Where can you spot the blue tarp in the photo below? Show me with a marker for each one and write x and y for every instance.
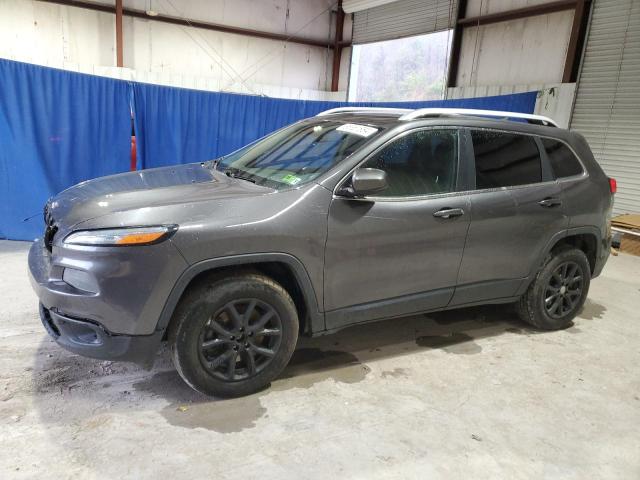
(175, 125)
(58, 128)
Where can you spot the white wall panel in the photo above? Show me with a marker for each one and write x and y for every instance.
(84, 40)
(525, 51)
(38, 32)
(277, 16)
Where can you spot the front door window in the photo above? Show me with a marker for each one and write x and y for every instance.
(419, 163)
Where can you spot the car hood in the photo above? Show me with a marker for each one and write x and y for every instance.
(156, 187)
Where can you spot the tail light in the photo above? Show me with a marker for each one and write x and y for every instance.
(613, 185)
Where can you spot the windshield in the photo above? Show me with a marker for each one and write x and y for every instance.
(296, 154)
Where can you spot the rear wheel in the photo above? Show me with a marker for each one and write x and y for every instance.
(558, 292)
(231, 337)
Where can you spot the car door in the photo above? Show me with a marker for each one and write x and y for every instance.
(516, 208)
(398, 252)
(578, 198)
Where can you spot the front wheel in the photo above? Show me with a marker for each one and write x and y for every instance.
(558, 292)
(232, 336)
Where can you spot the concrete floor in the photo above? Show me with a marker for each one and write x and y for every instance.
(466, 394)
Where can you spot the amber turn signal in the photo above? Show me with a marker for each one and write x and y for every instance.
(138, 238)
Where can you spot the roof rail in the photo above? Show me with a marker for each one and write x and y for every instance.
(399, 111)
(438, 112)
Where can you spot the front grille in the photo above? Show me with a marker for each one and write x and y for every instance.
(49, 233)
(50, 227)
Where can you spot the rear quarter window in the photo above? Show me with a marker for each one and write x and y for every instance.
(563, 161)
(505, 159)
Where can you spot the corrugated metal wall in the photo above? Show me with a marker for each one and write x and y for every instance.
(607, 107)
(403, 18)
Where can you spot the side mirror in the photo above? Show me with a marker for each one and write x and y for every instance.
(365, 181)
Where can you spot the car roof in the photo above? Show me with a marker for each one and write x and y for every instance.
(377, 119)
(390, 121)
(385, 116)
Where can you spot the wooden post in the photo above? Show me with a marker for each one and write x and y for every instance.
(337, 48)
(576, 42)
(119, 48)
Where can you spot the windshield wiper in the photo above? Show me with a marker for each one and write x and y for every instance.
(237, 173)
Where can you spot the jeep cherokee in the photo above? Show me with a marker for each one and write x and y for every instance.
(352, 216)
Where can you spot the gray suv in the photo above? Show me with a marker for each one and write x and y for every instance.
(352, 216)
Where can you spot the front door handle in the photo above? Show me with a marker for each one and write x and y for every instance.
(448, 212)
(550, 202)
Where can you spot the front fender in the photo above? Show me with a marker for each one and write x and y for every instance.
(316, 317)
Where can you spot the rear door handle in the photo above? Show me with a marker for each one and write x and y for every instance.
(448, 213)
(550, 202)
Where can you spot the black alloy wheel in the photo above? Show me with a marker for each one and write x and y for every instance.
(233, 333)
(564, 289)
(240, 339)
(558, 291)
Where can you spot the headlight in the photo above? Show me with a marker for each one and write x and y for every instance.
(117, 237)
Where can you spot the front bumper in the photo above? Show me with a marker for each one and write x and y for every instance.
(92, 340)
(118, 318)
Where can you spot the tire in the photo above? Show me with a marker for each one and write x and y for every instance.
(552, 300)
(224, 336)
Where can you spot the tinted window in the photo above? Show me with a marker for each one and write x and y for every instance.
(419, 163)
(505, 159)
(563, 161)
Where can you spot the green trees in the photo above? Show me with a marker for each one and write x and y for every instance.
(406, 69)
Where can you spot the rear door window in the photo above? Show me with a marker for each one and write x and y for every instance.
(563, 161)
(505, 159)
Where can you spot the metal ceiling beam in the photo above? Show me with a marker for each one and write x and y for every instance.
(131, 12)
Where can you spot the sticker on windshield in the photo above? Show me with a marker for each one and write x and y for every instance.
(360, 130)
(291, 179)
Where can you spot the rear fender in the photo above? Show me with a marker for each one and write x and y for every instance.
(552, 243)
